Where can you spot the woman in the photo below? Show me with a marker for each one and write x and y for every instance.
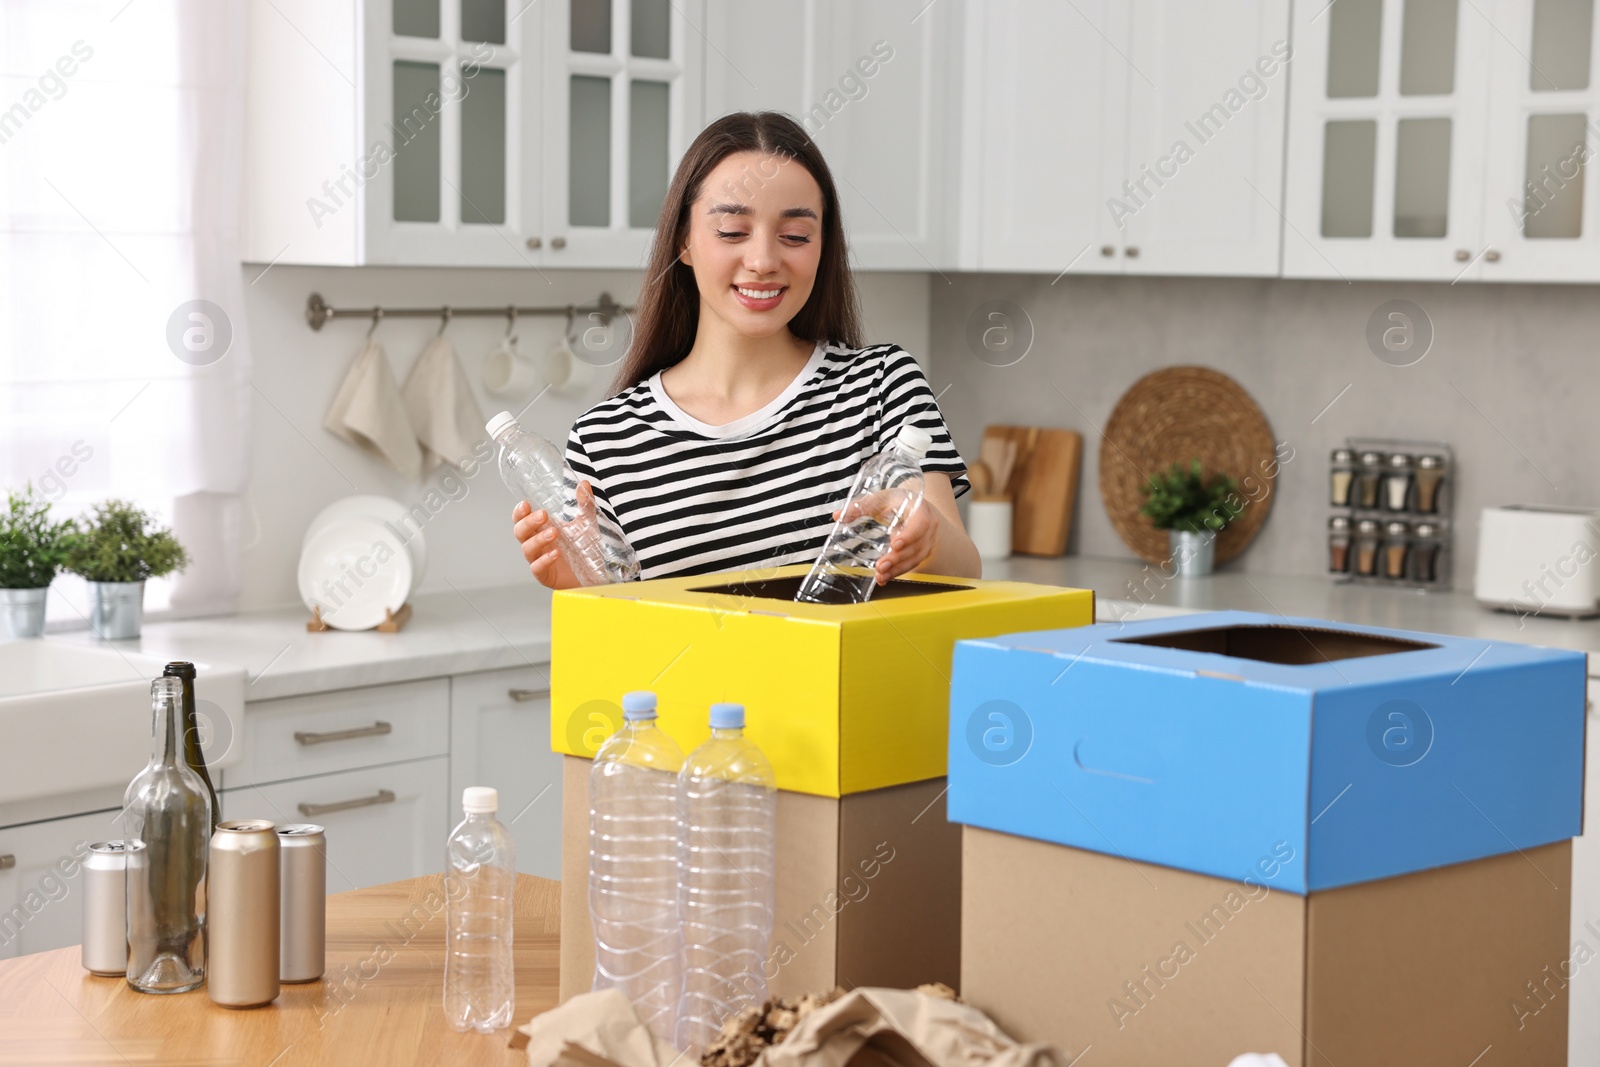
(745, 406)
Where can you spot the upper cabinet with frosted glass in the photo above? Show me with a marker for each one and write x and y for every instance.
(465, 132)
(1443, 139)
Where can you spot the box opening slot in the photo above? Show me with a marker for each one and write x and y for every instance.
(1290, 645)
(786, 588)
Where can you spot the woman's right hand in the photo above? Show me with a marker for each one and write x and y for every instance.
(537, 534)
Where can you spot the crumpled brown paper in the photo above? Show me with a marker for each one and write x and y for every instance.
(868, 1027)
(873, 1027)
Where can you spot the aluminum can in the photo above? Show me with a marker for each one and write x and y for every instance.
(105, 909)
(303, 892)
(242, 898)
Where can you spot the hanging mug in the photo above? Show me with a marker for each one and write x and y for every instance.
(508, 372)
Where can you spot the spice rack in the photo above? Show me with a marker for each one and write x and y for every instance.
(1390, 504)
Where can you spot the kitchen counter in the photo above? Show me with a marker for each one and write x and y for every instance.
(381, 1000)
(470, 630)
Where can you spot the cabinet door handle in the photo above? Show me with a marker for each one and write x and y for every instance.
(558, 242)
(522, 696)
(1462, 255)
(377, 729)
(7, 862)
(1492, 256)
(1107, 250)
(534, 242)
(1132, 251)
(382, 796)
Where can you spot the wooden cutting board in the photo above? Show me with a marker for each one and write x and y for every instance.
(1045, 486)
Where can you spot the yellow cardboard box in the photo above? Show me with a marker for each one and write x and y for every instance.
(841, 698)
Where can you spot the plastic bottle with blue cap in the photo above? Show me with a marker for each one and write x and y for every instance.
(633, 865)
(726, 849)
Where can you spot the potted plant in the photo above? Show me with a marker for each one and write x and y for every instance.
(1193, 509)
(30, 554)
(115, 552)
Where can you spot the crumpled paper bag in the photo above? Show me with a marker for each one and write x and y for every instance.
(872, 1026)
(593, 1029)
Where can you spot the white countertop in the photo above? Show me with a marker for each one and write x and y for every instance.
(488, 629)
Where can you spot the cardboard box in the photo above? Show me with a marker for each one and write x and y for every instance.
(1139, 964)
(868, 889)
(842, 698)
(1200, 741)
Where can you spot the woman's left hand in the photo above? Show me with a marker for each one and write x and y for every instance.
(914, 542)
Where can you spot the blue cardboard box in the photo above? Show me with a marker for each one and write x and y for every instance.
(1298, 753)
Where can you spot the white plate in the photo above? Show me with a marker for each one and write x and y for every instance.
(378, 507)
(354, 569)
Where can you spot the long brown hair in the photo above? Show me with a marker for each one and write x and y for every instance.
(668, 311)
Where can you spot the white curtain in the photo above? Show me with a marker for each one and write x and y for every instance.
(120, 169)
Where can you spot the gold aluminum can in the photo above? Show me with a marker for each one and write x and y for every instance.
(242, 925)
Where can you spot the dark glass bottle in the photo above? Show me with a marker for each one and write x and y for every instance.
(193, 755)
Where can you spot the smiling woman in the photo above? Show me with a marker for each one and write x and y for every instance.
(747, 403)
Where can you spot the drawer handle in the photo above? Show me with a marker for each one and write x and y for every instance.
(522, 696)
(7, 862)
(382, 796)
(377, 729)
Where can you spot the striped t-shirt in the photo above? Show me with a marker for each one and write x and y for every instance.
(759, 491)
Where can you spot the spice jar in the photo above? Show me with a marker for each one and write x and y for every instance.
(1430, 473)
(1367, 478)
(1396, 549)
(1342, 477)
(1367, 547)
(1339, 544)
(1397, 482)
(1425, 553)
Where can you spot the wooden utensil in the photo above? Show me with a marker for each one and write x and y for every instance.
(1043, 484)
(982, 481)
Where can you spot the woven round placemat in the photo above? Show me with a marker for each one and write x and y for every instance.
(1171, 416)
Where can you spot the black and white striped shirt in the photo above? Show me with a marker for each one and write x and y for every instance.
(759, 491)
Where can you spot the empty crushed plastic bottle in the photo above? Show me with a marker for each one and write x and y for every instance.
(480, 877)
(728, 812)
(886, 491)
(534, 469)
(633, 865)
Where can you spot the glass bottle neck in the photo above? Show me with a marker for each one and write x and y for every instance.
(164, 747)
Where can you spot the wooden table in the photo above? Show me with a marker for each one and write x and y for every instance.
(380, 1001)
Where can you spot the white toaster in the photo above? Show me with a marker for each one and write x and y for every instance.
(1539, 560)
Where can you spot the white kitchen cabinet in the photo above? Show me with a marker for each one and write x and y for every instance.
(1074, 116)
(1388, 140)
(465, 132)
(875, 87)
(383, 823)
(41, 899)
(500, 737)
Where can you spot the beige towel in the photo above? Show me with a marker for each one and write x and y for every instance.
(367, 411)
(439, 400)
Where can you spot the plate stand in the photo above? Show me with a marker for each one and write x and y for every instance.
(391, 624)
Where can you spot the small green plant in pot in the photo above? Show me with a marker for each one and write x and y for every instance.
(1193, 509)
(115, 551)
(31, 552)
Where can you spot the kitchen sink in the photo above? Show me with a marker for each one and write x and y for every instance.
(76, 716)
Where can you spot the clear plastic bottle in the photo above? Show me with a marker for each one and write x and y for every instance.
(167, 823)
(534, 469)
(480, 880)
(728, 808)
(886, 491)
(633, 865)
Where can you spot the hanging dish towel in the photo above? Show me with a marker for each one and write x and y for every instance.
(443, 411)
(368, 412)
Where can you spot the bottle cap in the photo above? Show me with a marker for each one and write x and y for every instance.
(500, 422)
(638, 705)
(914, 439)
(727, 716)
(480, 799)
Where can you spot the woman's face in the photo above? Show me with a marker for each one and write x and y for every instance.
(755, 238)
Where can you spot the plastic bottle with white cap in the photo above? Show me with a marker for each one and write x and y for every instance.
(633, 865)
(535, 470)
(886, 491)
(480, 881)
(726, 856)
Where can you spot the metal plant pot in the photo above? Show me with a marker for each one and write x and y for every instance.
(116, 609)
(1193, 554)
(22, 612)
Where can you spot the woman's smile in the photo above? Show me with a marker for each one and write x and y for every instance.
(760, 297)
